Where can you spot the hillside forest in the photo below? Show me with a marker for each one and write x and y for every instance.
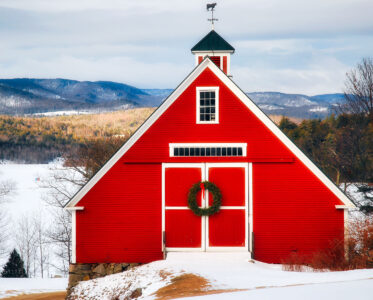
(342, 146)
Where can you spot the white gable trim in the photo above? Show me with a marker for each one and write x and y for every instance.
(207, 63)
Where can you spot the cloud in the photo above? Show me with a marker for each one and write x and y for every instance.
(295, 45)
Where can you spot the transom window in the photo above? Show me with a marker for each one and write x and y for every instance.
(207, 105)
(209, 149)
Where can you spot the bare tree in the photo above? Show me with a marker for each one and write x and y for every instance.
(61, 186)
(25, 239)
(359, 90)
(41, 244)
(7, 188)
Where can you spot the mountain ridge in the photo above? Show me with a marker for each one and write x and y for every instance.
(20, 96)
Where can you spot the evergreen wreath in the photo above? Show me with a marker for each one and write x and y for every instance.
(216, 195)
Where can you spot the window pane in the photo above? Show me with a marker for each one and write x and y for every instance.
(213, 151)
(208, 153)
(198, 151)
(186, 150)
(234, 151)
(202, 117)
(203, 152)
(240, 151)
(191, 152)
(202, 95)
(218, 151)
(176, 151)
(229, 151)
(201, 102)
(181, 152)
(223, 151)
(207, 117)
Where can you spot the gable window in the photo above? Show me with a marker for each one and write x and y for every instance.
(208, 149)
(207, 105)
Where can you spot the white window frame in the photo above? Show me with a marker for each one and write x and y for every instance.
(172, 146)
(215, 89)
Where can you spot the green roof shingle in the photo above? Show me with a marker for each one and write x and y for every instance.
(212, 42)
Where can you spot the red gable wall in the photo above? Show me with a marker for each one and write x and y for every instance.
(293, 210)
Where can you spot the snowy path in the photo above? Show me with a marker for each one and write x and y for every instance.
(17, 286)
(359, 289)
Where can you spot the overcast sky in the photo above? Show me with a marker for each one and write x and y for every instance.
(293, 46)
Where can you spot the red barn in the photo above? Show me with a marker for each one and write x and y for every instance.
(275, 201)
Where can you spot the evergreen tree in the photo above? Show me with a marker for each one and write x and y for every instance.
(14, 267)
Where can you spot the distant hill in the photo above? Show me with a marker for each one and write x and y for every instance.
(38, 96)
(27, 96)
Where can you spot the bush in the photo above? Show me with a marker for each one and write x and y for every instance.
(359, 254)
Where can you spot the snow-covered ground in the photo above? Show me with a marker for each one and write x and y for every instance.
(227, 271)
(360, 289)
(16, 286)
(28, 195)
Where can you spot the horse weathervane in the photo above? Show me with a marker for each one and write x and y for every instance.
(210, 7)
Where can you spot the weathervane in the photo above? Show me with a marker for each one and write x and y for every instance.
(210, 7)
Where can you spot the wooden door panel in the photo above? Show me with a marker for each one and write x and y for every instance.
(227, 228)
(183, 229)
(178, 183)
(231, 182)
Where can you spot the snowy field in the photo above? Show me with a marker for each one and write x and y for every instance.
(17, 286)
(231, 271)
(28, 195)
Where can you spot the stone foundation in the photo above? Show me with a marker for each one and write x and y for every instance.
(82, 272)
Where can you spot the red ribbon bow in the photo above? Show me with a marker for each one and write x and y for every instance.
(202, 186)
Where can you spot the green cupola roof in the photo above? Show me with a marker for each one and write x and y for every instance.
(213, 42)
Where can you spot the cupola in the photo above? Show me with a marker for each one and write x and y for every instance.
(217, 48)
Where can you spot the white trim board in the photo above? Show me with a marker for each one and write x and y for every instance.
(207, 63)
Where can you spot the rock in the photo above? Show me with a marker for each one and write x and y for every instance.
(86, 277)
(136, 294)
(74, 279)
(100, 269)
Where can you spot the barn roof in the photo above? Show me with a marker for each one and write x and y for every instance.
(212, 42)
(207, 63)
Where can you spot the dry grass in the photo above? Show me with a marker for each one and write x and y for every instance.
(188, 285)
(41, 296)
(277, 119)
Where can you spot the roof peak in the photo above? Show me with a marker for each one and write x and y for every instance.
(212, 42)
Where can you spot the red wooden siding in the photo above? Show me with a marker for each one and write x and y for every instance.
(225, 70)
(200, 59)
(121, 220)
(293, 210)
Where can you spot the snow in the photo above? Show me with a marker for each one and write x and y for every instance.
(319, 109)
(63, 113)
(17, 286)
(361, 290)
(224, 271)
(28, 196)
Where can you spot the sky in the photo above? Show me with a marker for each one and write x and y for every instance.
(291, 46)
